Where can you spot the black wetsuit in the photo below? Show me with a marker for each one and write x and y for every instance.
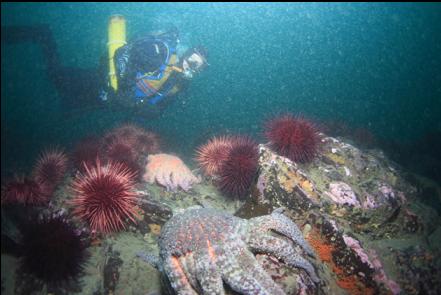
(144, 55)
(83, 88)
(77, 86)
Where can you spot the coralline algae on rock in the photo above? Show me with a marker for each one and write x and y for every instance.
(341, 193)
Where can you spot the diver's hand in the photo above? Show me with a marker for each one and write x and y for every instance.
(104, 95)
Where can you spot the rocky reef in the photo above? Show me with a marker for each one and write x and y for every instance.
(363, 216)
(364, 219)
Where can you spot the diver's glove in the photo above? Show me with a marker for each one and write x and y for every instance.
(188, 74)
(104, 95)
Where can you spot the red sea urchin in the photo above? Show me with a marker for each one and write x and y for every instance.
(211, 155)
(50, 168)
(122, 151)
(24, 190)
(104, 196)
(86, 151)
(52, 250)
(127, 131)
(147, 143)
(293, 137)
(239, 168)
(143, 142)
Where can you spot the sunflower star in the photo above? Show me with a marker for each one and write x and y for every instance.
(170, 172)
(200, 249)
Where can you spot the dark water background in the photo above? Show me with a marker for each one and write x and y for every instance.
(373, 66)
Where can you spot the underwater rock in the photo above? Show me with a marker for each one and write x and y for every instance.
(111, 271)
(421, 268)
(341, 193)
(280, 179)
(355, 246)
(153, 212)
(371, 201)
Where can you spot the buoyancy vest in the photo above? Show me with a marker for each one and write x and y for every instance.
(154, 86)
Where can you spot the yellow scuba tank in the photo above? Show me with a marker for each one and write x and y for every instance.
(116, 39)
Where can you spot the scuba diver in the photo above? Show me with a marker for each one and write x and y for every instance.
(142, 76)
(149, 71)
